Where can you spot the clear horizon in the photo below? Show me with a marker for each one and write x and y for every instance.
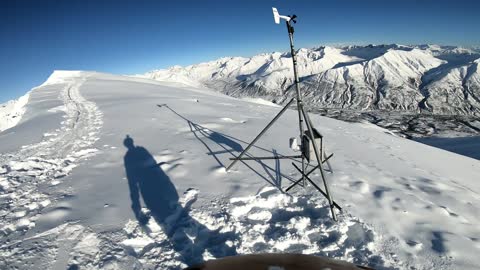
(132, 37)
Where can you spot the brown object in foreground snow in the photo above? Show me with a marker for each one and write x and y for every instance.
(276, 262)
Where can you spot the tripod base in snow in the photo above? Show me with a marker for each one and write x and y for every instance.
(311, 147)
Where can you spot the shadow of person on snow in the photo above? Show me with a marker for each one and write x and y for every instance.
(188, 237)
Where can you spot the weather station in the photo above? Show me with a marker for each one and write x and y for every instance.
(311, 143)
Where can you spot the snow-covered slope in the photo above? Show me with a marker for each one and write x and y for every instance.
(11, 112)
(438, 79)
(96, 155)
(458, 86)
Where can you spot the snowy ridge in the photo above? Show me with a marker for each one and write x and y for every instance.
(454, 86)
(386, 82)
(12, 111)
(51, 159)
(389, 77)
(62, 76)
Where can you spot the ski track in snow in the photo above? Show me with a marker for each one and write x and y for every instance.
(45, 163)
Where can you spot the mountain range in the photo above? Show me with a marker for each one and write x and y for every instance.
(432, 79)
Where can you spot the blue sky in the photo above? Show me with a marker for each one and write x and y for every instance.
(130, 37)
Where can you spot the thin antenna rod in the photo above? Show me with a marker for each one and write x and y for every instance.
(297, 89)
(301, 111)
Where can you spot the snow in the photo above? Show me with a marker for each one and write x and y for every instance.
(261, 101)
(85, 197)
(61, 77)
(12, 111)
(431, 78)
(138, 246)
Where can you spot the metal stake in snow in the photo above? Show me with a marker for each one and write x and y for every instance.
(311, 143)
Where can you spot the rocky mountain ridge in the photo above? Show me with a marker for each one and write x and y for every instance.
(438, 80)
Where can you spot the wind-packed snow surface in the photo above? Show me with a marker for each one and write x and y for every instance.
(114, 172)
(428, 78)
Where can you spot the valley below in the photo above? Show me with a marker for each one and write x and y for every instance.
(455, 133)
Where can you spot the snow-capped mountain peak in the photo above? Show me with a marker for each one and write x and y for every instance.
(389, 77)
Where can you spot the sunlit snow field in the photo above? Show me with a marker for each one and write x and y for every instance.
(115, 172)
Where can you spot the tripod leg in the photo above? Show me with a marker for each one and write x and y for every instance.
(305, 175)
(328, 162)
(262, 132)
(317, 187)
(325, 158)
(319, 160)
(303, 169)
(296, 183)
